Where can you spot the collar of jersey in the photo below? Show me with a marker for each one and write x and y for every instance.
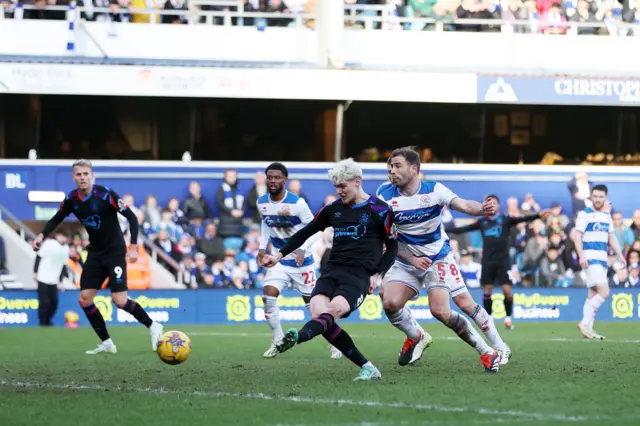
(93, 191)
(416, 193)
(278, 202)
(362, 204)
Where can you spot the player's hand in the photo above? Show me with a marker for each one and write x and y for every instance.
(299, 257)
(260, 257)
(623, 262)
(584, 263)
(133, 254)
(607, 206)
(373, 283)
(237, 213)
(269, 261)
(488, 207)
(422, 263)
(37, 242)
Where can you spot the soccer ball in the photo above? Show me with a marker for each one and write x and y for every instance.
(174, 347)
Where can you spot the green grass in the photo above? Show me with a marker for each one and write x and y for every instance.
(46, 379)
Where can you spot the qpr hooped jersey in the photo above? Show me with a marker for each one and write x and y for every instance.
(595, 227)
(418, 218)
(282, 219)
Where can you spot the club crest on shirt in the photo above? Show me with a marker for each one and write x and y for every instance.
(425, 200)
(286, 211)
(364, 218)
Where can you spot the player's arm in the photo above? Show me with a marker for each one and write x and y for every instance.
(464, 229)
(613, 242)
(576, 236)
(445, 197)
(390, 242)
(318, 224)
(118, 204)
(64, 211)
(265, 234)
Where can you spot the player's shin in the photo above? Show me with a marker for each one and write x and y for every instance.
(463, 328)
(315, 327)
(97, 321)
(403, 320)
(343, 342)
(486, 324)
(272, 315)
(487, 303)
(138, 312)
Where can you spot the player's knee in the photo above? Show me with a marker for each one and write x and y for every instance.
(391, 305)
(120, 300)
(85, 300)
(441, 313)
(338, 307)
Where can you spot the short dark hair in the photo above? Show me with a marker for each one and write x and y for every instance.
(602, 188)
(494, 196)
(409, 153)
(277, 166)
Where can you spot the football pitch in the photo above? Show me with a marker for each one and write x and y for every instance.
(554, 377)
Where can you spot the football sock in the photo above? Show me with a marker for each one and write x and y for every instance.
(596, 302)
(315, 327)
(508, 306)
(488, 303)
(138, 312)
(343, 342)
(272, 315)
(466, 332)
(97, 322)
(486, 324)
(404, 321)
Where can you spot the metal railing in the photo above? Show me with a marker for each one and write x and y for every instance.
(156, 253)
(371, 17)
(23, 230)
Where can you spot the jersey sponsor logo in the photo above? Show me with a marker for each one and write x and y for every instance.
(278, 222)
(600, 227)
(418, 216)
(353, 232)
(92, 222)
(495, 231)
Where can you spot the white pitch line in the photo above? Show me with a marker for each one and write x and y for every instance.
(399, 337)
(307, 400)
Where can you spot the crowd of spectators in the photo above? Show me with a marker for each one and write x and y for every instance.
(542, 16)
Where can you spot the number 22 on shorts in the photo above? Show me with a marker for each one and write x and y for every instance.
(309, 277)
(442, 271)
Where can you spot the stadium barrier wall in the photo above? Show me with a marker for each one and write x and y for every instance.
(227, 307)
(35, 188)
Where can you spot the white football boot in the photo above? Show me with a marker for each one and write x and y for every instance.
(335, 353)
(155, 331)
(106, 347)
(271, 352)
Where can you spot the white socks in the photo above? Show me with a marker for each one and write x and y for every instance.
(590, 309)
(404, 321)
(272, 315)
(488, 327)
(466, 332)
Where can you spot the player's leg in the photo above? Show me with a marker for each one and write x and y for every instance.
(487, 302)
(117, 271)
(507, 290)
(597, 293)
(90, 281)
(398, 287)
(319, 323)
(275, 281)
(303, 280)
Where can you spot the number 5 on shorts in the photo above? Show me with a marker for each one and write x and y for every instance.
(442, 271)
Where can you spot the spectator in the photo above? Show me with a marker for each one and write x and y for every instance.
(556, 213)
(555, 227)
(176, 214)
(634, 276)
(551, 268)
(178, 5)
(195, 206)
(187, 244)
(473, 9)
(623, 233)
(619, 279)
(257, 190)
(633, 257)
(210, 244)
(470, 270)
(580, 188)
(585, 15)
(554, 21)
(571, 262)
(188, 268)
(221, 276)
(149, 6)
(513, 209)
(295, 187)
(529, 205)
(536, 247)
(230, 203)
(164, 243)
(166, 222)
(240, 276)
(277, 6)
(635, 225)
(152, 211)
(200, 268)
(515, 11)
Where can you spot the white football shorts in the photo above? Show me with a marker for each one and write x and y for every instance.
(443, 273)
(596, 275)
(302, 279)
